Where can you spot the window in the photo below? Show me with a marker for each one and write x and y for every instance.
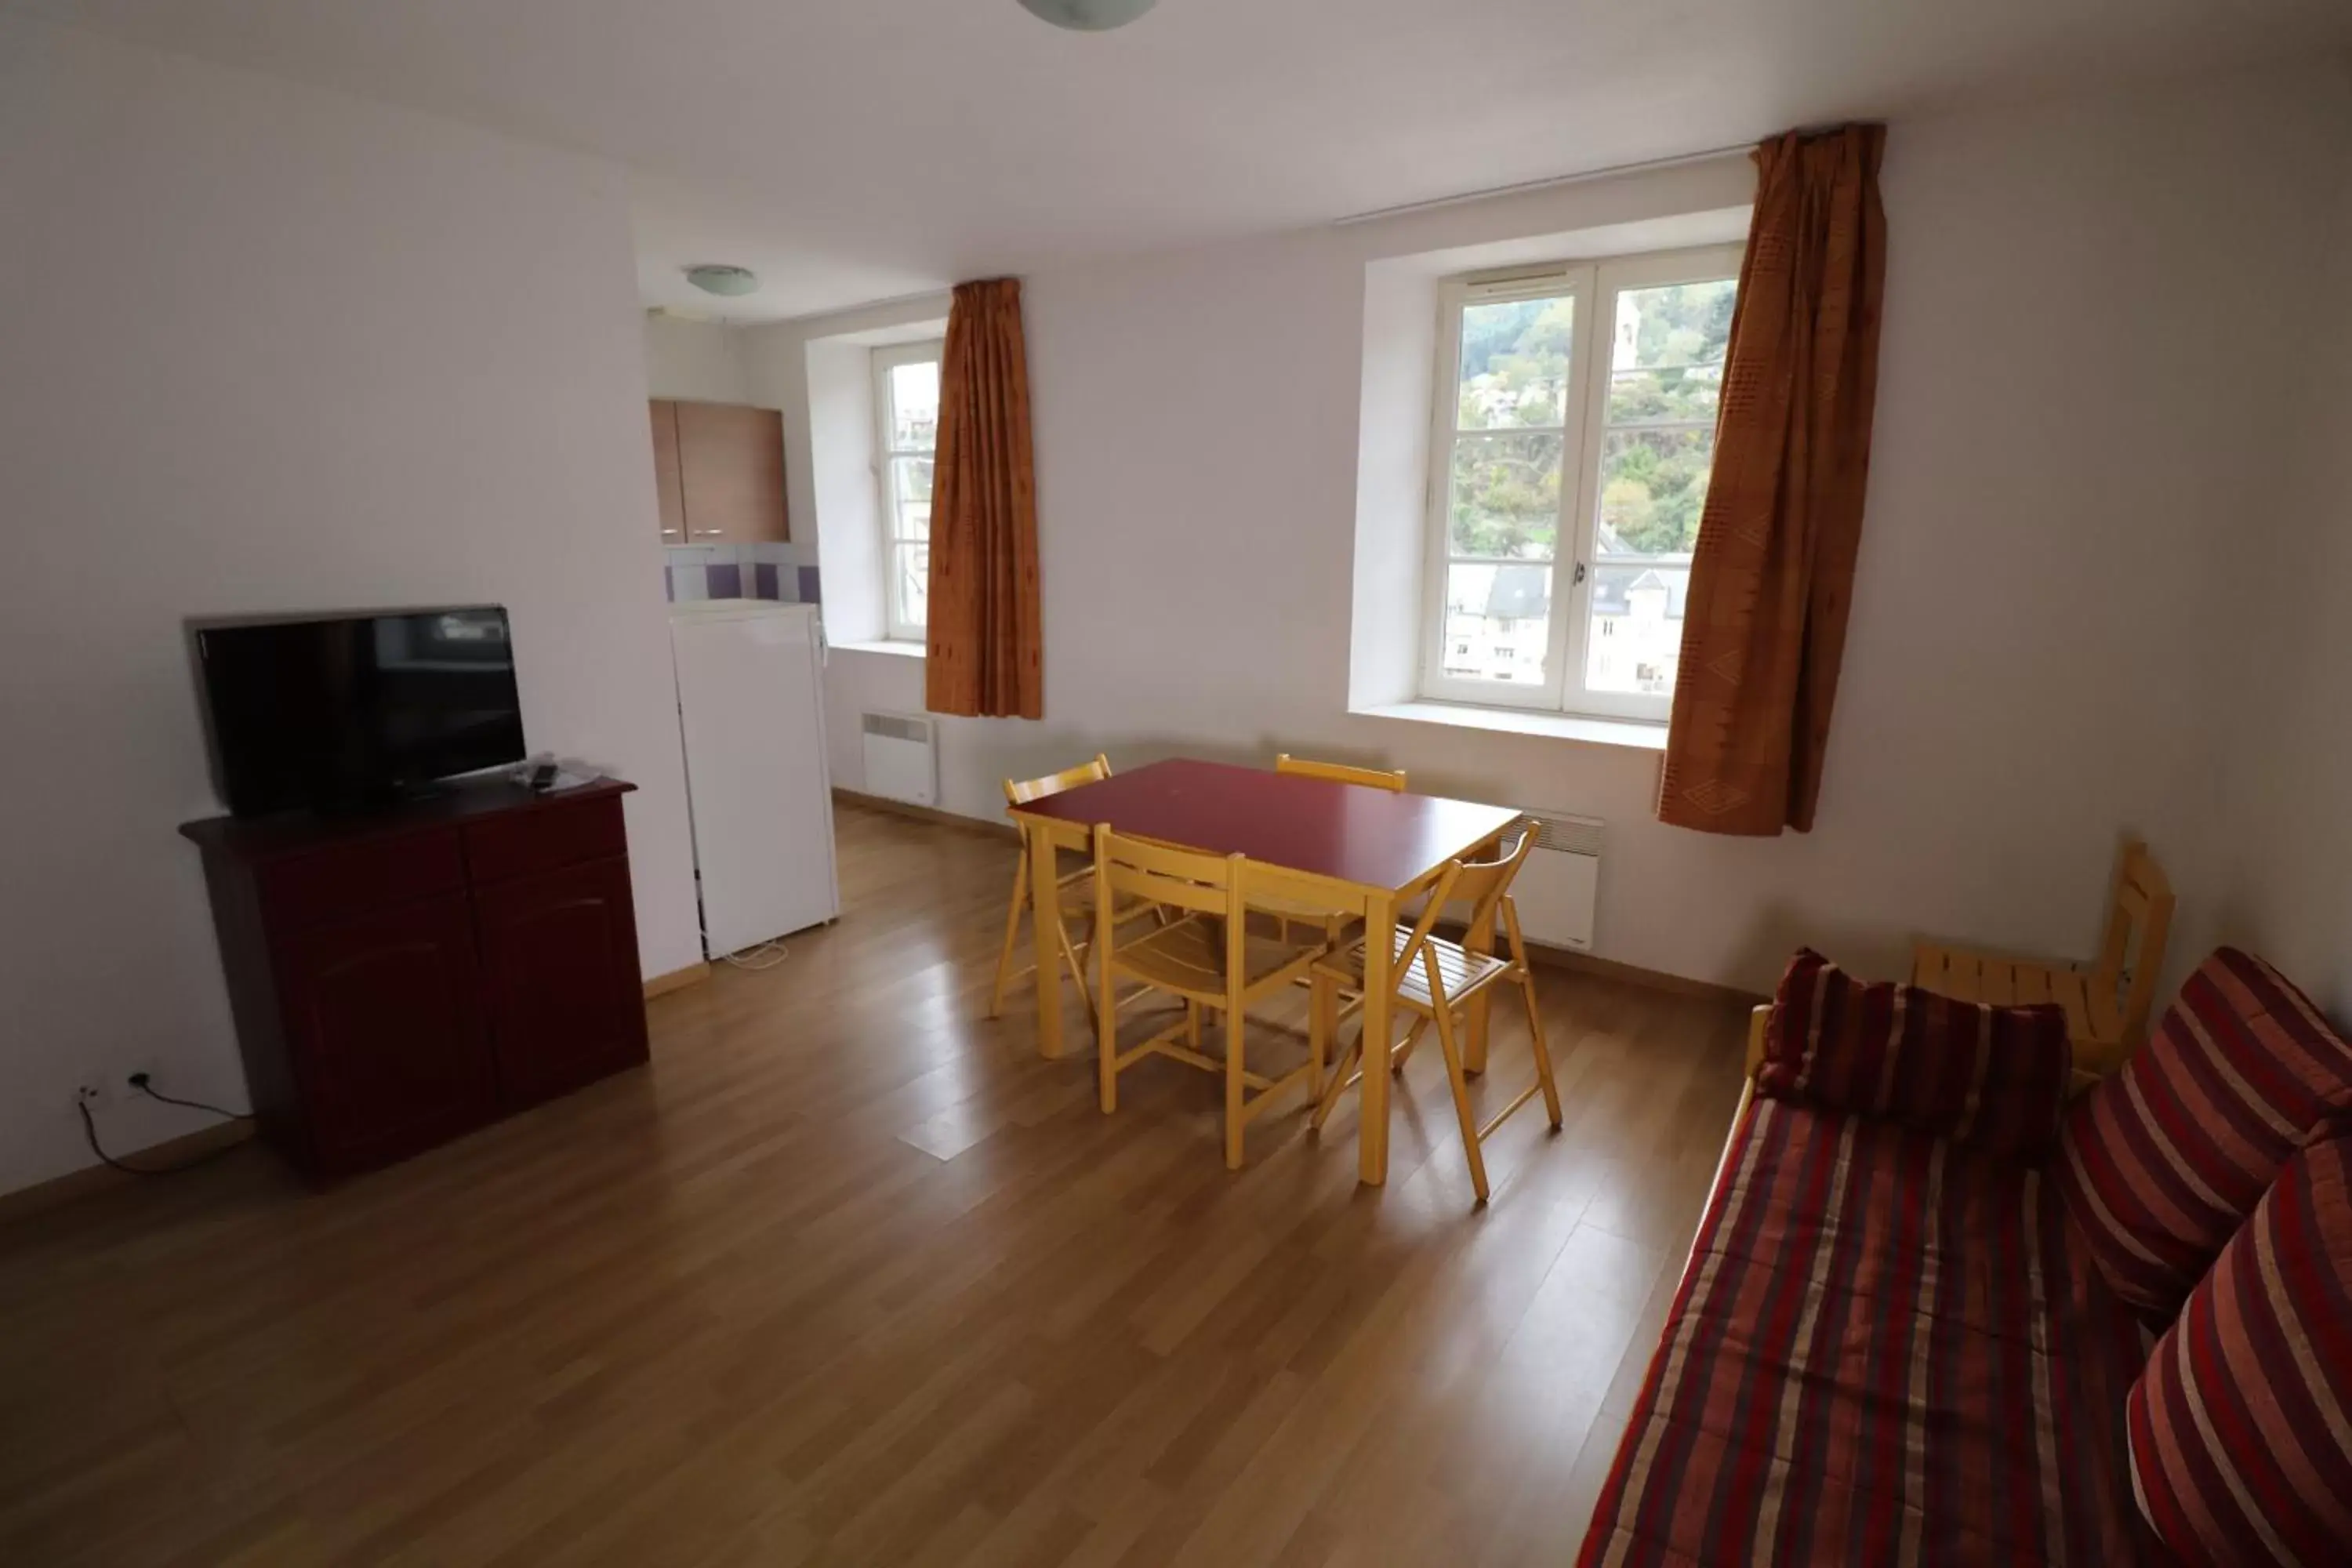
(1575, 430)
(907, 429)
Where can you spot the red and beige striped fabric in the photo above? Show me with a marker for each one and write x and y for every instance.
(1988, 1077)
(1885, 1349)
(2241, 1426)
(2163, 1162)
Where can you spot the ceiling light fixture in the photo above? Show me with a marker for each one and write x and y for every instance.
(727, 280)
(1087, 16)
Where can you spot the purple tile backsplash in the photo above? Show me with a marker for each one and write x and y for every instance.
(739, 571)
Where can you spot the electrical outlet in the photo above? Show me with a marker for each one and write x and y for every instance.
(94, 1093)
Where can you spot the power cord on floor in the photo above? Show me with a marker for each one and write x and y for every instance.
(146, 1085)
(140, 1081)
(767, 955)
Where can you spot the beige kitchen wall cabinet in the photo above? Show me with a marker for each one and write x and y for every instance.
(719, 469)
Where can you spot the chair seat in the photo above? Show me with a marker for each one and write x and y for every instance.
(1460, 971)
(2094, 1015)
(1187, 957)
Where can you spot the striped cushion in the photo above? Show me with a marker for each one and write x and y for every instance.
(1987, 1077)
(2241, 1426)
(1883, 1349)
(2163, 1162)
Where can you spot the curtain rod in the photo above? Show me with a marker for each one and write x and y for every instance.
(1529, 187)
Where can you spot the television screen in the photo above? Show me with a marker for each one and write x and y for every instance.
(343, 712)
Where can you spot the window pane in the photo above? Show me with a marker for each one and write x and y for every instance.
(912, 573)
(912, 478)
(1678, 324)
(915, 406)
(1636, 636)
(1653, 487)
(914, 519)
(1513, 368)
(1498, 622)
(1670, 392)
(1506, 496)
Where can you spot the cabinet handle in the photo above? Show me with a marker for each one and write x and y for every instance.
(704, 532)
(668, 533)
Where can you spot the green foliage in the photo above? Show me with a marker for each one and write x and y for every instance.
(1654, 487)
(1505, 494)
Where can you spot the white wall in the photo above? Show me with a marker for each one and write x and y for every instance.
(700, 361)
(2043, 623)
(2291, 795)
(252, 363)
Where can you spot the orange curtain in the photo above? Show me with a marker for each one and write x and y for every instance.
(986, 650)
(1772, 578)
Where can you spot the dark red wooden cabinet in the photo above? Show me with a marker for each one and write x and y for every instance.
(403, 977)
(560, 950)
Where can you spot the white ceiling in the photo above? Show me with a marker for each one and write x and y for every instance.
(858, 150)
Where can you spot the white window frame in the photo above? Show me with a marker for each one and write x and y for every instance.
(1594, 287)
(897, 628)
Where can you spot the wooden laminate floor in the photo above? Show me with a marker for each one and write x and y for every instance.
(850, 1276)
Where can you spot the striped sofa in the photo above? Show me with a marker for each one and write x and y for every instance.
(1925, 1288)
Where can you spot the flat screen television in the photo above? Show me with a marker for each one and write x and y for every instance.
(344, 712)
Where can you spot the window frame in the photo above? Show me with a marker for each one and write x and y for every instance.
(887, 358)
(1594, 285)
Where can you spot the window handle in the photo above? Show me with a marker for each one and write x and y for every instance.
(1578, 581)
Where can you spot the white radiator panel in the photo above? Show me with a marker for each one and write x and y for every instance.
(899, 759)
(1559, 885)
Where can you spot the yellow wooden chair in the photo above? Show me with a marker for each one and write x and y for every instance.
(1435, 980)
(1206, 956)
(2107, 1005)
(1334, 924)
(1020, 792)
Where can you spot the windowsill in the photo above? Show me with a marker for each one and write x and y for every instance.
(1630, 734)
(899, 649)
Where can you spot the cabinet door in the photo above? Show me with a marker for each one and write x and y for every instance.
(732, 468)
(384, 1014)
(667, 484)
(566, 1002)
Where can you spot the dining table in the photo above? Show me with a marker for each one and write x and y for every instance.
(1378, 848)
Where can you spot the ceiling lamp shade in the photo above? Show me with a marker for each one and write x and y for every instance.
(727, 280)
(1088, 16)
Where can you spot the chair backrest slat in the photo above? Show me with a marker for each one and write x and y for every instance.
(1484, 884)
(1021, 792)
(1391, 780)
(1181, 878)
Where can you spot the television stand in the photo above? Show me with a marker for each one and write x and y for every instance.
(403, 976)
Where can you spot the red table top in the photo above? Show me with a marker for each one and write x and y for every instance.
(1351, 832)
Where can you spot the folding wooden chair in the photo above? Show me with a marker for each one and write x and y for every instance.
(1435, 979)
(1020, 792)
(1206, 956)
(2107, 1004)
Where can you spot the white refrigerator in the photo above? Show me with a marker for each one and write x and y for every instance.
(750, 701)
